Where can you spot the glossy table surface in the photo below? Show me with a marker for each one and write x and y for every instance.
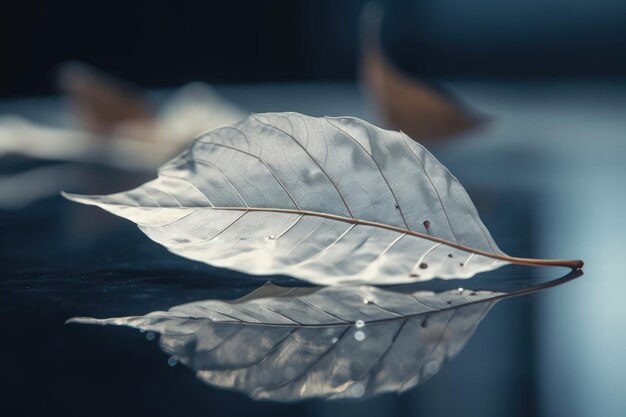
(547, 176)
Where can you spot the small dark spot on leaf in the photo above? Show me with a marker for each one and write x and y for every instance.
(426, 224)
(472, 293)
(449, 255)
(397, 206)
(450, 302)
(461, 264)
(423, 265)
(413, 275)
(425, 323)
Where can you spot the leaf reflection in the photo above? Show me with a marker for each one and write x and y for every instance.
(288, 344)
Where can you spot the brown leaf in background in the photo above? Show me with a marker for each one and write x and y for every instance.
(422, 111)
(101, 103)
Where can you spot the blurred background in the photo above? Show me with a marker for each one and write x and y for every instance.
(164, 44)
(524, 101)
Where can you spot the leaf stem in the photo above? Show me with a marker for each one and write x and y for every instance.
(573, 264)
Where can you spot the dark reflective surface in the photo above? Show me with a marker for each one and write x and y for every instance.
(546, 182)
(64, 261)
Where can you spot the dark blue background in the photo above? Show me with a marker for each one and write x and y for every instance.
(165, 44)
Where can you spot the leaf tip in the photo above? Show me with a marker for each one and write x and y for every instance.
(83, 320)
(77, 198)
(69, 196)
(74, 320)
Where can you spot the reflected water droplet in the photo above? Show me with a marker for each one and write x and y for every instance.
(172, 361)
(271, 237)
(460, 289)
(334, 340)
(366, 301)
(357, 390)
(359, 336)
(432, 368)
(150, 336)
(359, 323)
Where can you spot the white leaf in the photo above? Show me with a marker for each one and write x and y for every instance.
(287, 344)
(327, 200)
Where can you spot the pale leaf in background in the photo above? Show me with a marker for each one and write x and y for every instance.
(189, 111)
(114, 126)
